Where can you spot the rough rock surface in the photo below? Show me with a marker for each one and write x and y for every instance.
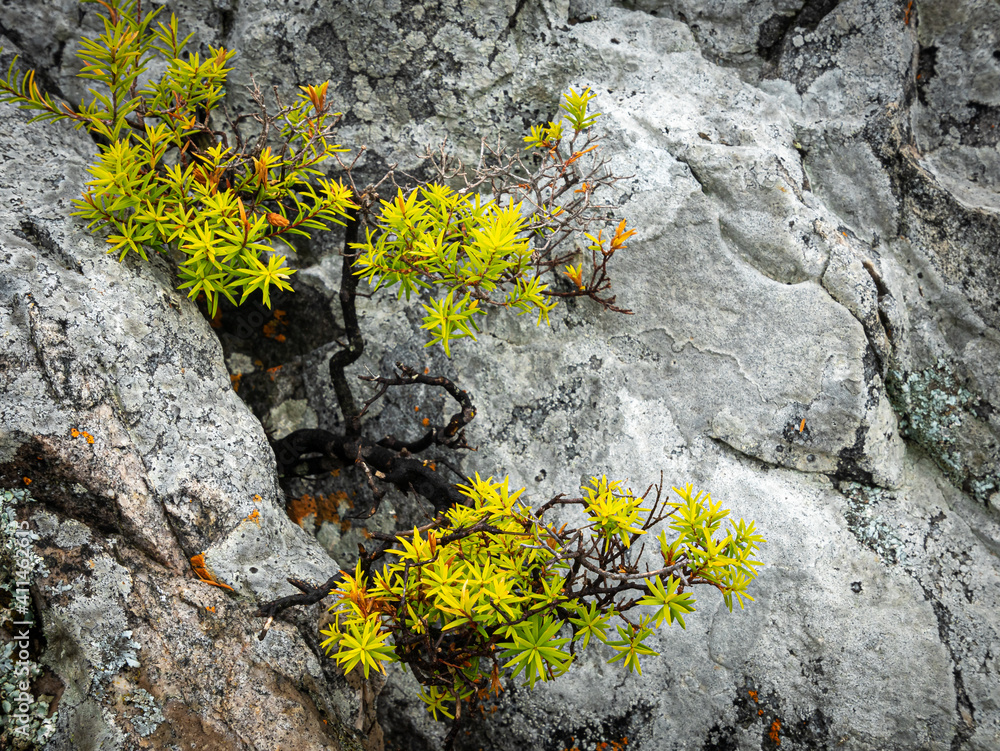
(815, 341)
(117, 408)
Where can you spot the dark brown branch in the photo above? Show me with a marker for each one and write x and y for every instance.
(452, 435)
(355, 341)
(312, 595)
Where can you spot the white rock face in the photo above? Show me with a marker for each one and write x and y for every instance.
(814, 340)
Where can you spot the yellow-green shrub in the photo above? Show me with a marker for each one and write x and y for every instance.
(167, 176)
(473, 253)
(492, 589)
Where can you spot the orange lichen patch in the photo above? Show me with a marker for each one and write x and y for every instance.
(773, 733)
(326, 508)
(254, 517)
(234, 379)
(335, 473)
(753, 695)
(272, 371)
(203, 574)
(618, 745)
(75, 433)
(257, 498)
(416, 409)
(27, 480)
(299, 508)
(272, 328)
(210, 608)
(425, 422)
(88, 436)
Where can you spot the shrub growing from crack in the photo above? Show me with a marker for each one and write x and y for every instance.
(489, 586)
(172, 176)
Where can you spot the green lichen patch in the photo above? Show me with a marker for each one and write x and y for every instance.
(24, 714)
(950, 422)
(149, 717)
(869, 527)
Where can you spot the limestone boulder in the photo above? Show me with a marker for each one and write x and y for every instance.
(814, 340)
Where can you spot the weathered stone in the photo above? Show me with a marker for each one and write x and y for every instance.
(117, 409)
(814, 341)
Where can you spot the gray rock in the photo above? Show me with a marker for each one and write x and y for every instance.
(815, 341)
(117, 408)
